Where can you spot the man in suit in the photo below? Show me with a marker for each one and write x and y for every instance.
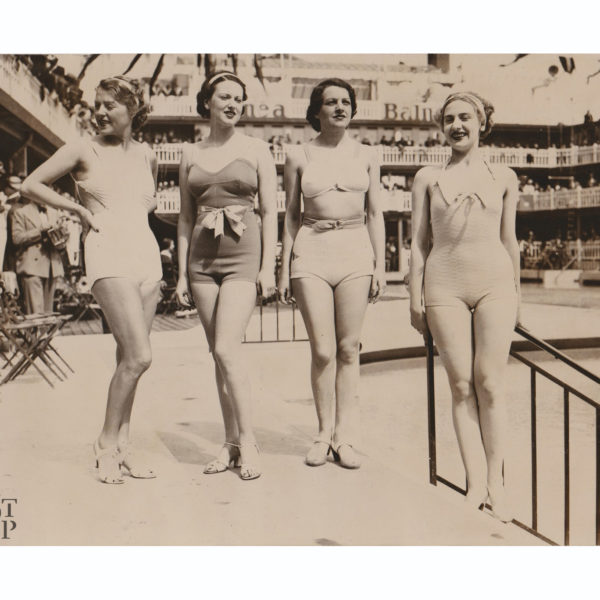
(38, 263)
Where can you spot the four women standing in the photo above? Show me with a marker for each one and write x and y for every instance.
(333, 257)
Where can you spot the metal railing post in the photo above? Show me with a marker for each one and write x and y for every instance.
(567, 519)
(431, 411)
(597, 476)
(533, 452)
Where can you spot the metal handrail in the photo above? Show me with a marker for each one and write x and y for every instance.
(543, 345)
(568, 390)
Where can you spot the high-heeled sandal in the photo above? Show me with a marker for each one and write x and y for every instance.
(218, 466)
(318, 453)
(500, 507)
(135, 463)
(476, 498)
(248, 471)
(108, 463)
(347, 458)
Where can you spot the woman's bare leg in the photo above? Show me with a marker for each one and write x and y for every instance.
(123, 306)
(351, 300)
(494, 323)
(316, 303)
(452, 330)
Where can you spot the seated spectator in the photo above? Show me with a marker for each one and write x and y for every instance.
(529, 188)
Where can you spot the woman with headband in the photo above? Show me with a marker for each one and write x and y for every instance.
(116, 181)
(465, 288)
(335, 258)
(224, 256)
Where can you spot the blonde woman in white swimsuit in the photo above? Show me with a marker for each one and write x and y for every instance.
(333, 260)
(468, 285)
(116, 182)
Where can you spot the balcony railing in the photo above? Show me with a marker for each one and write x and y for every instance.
(18, 83)
(560, 200)
(168, 201)
(401, 201)
(417, 156)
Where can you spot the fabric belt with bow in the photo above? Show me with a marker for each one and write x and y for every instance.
(329, 224)
(215, 218)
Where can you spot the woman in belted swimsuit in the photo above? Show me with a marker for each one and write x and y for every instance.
(466, 288)
(116, 182)
(224, 256)
(334, 257)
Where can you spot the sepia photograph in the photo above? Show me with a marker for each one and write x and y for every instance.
(303, 299)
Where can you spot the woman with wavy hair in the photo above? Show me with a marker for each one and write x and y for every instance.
(465, 287)
(225, 257)
(333, 261)
(115, 178)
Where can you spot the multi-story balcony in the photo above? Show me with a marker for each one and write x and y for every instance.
(21, 91)
(417, 156)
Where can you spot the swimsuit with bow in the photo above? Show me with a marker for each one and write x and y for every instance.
(468, 263)
(226, 242)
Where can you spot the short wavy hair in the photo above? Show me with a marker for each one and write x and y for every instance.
(208, 89)
(316, 99)
(129, 92)
(483, 108)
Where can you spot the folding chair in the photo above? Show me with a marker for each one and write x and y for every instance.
(80, 298)
(30, 340)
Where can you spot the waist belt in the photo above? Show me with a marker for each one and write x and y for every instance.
(215, 218)
(328, 224)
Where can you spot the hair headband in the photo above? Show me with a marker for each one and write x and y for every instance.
(224, 74)
(131, 85)
(470, 98)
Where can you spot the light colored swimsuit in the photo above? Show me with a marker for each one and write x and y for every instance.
(468, 263)
(124, 246)
(328, 249)
(226, 242)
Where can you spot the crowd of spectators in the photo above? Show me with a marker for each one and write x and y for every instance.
(167, 88)
(277, 142)
(169, 136)
(398, 139)
(529, 186)
(555, 252)
(59, 86)
(167, 186)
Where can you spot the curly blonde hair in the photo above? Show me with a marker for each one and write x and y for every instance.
(129, 92)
